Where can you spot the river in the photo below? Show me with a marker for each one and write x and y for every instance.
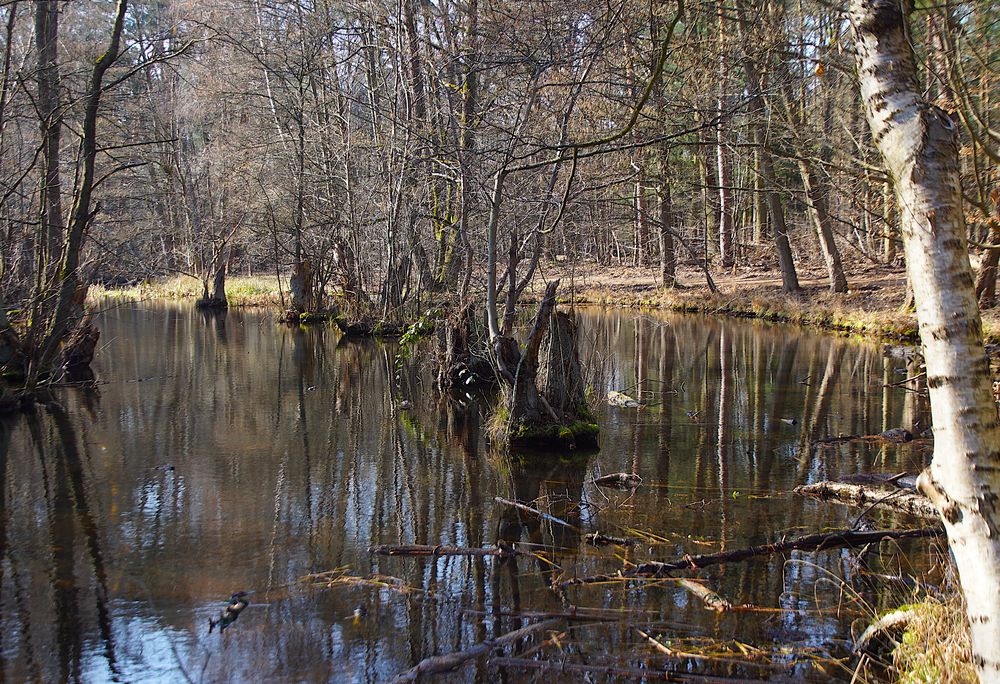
(231, 453)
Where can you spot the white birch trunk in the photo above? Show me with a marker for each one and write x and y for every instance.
(919, 145)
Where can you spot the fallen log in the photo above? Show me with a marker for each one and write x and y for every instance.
(450, 661)
(902, 500)
(503, 550)
(811, 542)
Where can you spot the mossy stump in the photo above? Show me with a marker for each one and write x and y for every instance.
(578, 435)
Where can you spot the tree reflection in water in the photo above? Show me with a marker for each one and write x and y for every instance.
(231, 453)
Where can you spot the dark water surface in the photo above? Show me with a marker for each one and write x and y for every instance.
(227, 454)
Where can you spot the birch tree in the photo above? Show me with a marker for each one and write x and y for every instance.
(919, 145)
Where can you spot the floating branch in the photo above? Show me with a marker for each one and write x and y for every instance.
(812, 542)
(535, 512)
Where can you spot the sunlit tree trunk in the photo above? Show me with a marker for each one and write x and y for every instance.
(919, 145)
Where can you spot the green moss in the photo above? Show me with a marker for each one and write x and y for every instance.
(580, 433)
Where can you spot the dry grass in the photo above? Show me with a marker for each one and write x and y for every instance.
(240, 291)
(935, 646)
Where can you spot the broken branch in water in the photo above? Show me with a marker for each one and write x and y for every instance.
(535, 512)
(450, 661)
(812, 542)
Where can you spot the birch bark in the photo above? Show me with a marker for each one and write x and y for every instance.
(919, 145)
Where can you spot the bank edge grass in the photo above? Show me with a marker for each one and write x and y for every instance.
(240, 291)
(815, 310)
(935, 646)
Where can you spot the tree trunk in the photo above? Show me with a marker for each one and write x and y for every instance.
(919, 144)
(300, 287)
(50, 115)
(986, 279)
(668, 255)
(219, 276)
(789, 278)
(816, 203)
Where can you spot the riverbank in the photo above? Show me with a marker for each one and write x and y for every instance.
(872, 308)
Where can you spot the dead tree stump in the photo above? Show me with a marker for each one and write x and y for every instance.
(531, 418)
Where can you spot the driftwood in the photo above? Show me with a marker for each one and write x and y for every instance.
(504, 551)
(451, 661)
(811, 542)
(896, 499)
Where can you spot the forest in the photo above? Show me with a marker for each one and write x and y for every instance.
(450, 212)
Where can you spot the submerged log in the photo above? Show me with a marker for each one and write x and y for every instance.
(860, 494)
(451, 661)
(503, 550)
(811, 542)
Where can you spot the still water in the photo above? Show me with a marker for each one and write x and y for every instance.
(231, 453)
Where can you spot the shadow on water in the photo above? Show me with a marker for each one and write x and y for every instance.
(224, 453)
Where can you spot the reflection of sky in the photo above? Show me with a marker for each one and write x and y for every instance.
(271, 483)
